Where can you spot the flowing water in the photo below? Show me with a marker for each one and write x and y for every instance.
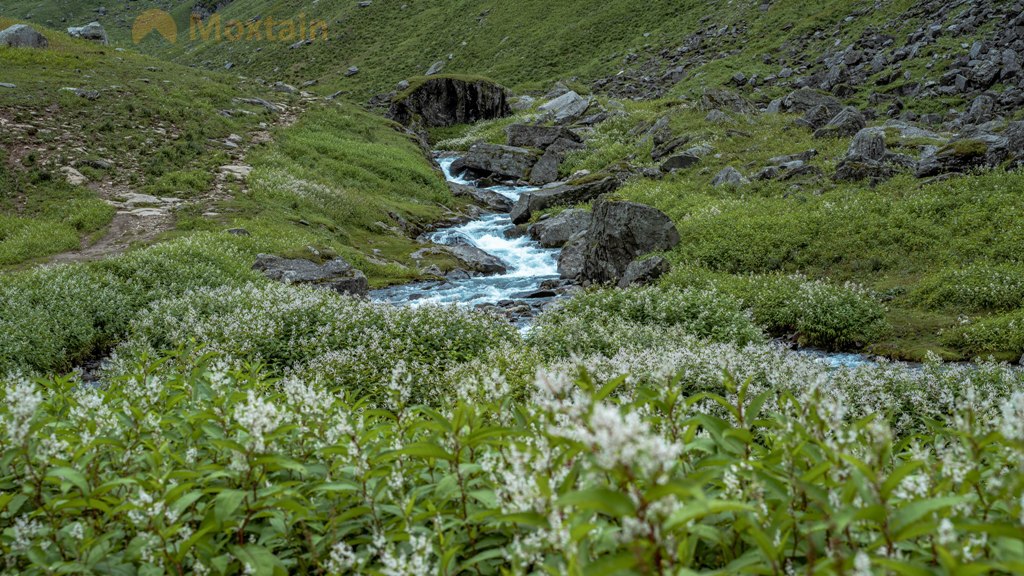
(528, 263)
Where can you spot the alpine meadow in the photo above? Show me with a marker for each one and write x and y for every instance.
(512, 287)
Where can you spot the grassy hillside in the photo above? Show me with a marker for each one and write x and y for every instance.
(528, 44)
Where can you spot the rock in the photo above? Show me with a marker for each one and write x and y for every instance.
(239, 232)
(238, 172)
(729, 176)
(445, 101)
(570, 261)
(458, 274)
(545, 171)
(402, 86)
(721, 99)
(866, 158)
(680, 162)
(435, 68)
(286, 88)
(92, 31)
(337, 274)
(352, 71)
(6, 85)
(22, 36)
(476, 259)
(807, 99)
(1014, 134)
(619, 233)
(981, 110)
(963, 155)
(816, 118)
(74, 177)
(498, 160)
(644, 271)
(529, 136)
(83, 93)
(523, 103)
(554, 232)
(484, 198)
(566, 108)
(565, 195)
(845, 124)
(718, 117)
(660, 151)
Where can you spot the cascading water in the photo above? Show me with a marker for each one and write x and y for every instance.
(528, 263)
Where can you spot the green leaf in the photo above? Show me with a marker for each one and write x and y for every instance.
(603, 500)
(611, 564)
(425, 450)
(72, 476)
(261, 561)
(226, 503)
(907, 515)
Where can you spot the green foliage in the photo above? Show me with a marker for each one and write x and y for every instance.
(978, 287)
(221, 471)
(1001, 335)
(604, 321)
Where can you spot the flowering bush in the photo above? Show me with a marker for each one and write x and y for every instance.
(1002, 333)
(213, 470)
(976, 288)
(318, 336)
(604, 321)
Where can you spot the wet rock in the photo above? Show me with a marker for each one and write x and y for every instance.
(566, 108)
(564, 195)
(529, 136)
(555, 231)
(458, 274)
(476, 259)
(644, 271)
(22, 36)
(502, 161)
(619, 233)
(483, 197)
(445, 101)
(729, 176)
(337, 275)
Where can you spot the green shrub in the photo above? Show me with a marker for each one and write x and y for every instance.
(228, 472)
(603, 321)
(1001, 335)
(980, 287)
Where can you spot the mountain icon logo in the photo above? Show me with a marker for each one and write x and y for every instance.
(157, 20)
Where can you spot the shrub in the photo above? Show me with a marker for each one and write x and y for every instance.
(1002, 334)
(228, 472)
(979, 287)
(319, 336)
(603, 321)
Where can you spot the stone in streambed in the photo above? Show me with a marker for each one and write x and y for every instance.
(337, 275)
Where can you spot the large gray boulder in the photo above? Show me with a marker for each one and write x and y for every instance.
(446, 101)
(529, 136)
(337, 275)
(847, 123)
(867, 158)
(92, 31)
(964, 155)
(501, 161)
(476, 259)
(22, 36)
(488, 199)
(566, 108)
(554, 232)
(806, 99)
(619, 233)
(644, 271)
(564, 195)
(545, 171)
(729, 176)
(572, 257)
(722, 99)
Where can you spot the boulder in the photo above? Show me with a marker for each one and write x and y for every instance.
(619, 233)
(446, 101)
(981, 110)
(92, 31)
(729, 176)
(815, 118)
(847, 123)
(964, 155)
(476, 259)
(680, 162)
(721, 99)
(570, 261)
(554, 232)
(565, 195)
(545, 171)
(435, 68)
(644, 271)
(22, 36)
(337, 274)
(868, 159)
(529, 136)
(566, 108)
(501, 161)
(74, 177)
(1015, 141)
(807, 99)
(482, 197)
